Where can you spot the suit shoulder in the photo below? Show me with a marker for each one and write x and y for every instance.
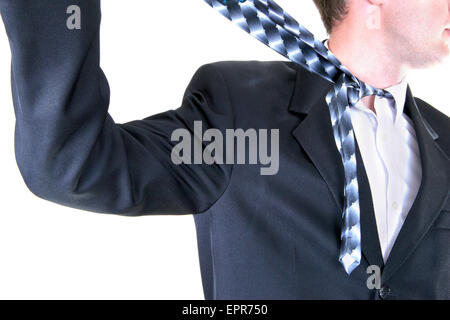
(439, 121)
(253, 70)
(248, 86)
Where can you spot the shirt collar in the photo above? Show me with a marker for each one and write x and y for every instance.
(398, 91)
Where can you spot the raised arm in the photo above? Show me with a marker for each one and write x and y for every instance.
(69, 149)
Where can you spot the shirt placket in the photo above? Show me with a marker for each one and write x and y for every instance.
(387, 144)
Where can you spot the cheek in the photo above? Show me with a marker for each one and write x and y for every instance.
(398, 16)
(400, 26)
(420, 20)
(434, 15)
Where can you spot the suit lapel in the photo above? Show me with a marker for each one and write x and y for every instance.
(315, 136)
(314, 133)
(432, 194)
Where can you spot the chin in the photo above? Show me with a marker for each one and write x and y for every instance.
(429, 58)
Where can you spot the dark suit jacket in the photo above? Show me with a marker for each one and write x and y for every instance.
(259, 237)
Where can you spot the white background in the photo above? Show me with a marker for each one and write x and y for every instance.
(150, 50)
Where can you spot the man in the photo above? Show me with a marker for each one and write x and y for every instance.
(259, 236)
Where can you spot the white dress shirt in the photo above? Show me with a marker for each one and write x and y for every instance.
(388, 145)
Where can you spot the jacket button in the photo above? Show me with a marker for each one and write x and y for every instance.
(384, 292)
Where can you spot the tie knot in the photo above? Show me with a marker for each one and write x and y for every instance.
(352, 87)
(356, 89)
(364, 90)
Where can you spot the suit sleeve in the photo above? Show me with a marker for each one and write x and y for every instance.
(68, 148)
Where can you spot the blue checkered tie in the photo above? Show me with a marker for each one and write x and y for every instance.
(270, 24)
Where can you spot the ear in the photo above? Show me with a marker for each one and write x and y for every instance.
(373, 13)
(378, 2)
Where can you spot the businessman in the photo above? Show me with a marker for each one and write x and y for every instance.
(259, 236)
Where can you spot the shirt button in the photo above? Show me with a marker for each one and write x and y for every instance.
(395, 205)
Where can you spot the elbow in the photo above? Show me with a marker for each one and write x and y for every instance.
(41, 184)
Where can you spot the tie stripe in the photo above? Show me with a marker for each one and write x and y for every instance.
(269, 23)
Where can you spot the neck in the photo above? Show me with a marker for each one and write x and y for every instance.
(365, 53)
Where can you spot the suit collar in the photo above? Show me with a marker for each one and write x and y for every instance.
(309, 90)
